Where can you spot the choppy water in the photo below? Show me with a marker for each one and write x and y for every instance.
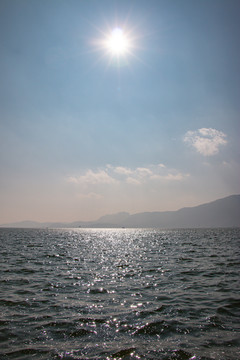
(119, 294)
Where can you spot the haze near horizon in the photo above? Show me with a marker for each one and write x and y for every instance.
(117, 106)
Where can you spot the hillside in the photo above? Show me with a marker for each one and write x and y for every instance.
(223, 212)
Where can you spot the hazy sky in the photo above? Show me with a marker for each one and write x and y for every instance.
(84, 132)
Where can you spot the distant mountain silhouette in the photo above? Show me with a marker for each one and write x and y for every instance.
(114, 218)
(219, 213)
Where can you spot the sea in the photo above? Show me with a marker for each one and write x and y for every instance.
(120, 294)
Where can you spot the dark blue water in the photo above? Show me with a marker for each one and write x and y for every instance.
(119, 294)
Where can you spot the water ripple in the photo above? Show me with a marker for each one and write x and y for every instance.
(119, 294)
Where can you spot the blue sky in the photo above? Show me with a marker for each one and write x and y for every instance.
(84, 133)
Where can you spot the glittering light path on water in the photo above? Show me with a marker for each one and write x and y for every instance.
(119, 294)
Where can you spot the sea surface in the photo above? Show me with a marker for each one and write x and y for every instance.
(119, 294)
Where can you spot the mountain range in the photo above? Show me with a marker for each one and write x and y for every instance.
(223, 212)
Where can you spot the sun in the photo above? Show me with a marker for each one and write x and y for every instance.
(117, 43)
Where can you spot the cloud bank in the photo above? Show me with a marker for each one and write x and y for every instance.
(93, 177)
(111, 175)
(206, 141)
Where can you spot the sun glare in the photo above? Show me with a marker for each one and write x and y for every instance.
(117, 43)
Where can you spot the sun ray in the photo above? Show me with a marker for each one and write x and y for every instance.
(117, 45)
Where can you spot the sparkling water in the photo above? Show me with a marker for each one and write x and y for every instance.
(120, 294)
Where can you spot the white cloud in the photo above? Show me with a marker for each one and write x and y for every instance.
(122, 170)
(206, 140)
(91, 177)
(72, 179)
(143, 172)
(111, 175)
